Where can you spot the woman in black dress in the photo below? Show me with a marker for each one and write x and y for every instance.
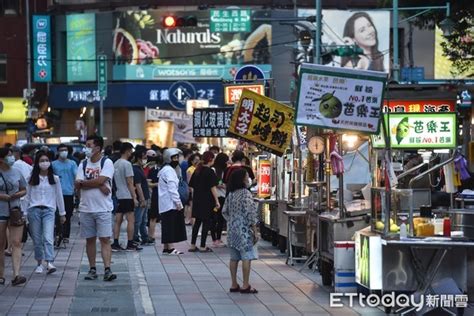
(205, 199)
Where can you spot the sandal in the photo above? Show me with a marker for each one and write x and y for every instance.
(235, 290)
(18, 280)
(193, 249)
(207, 249)
(248, 290)
(172, 252)
(2, 281)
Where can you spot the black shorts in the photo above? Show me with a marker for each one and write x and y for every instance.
(125, 206)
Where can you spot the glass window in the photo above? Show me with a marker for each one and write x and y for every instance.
(9, 7)
(3, 67)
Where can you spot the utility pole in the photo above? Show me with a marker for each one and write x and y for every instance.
(396, 65)
(28, 62)
(317, 36)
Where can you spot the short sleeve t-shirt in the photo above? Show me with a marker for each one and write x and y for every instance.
(123, 170)
(93, 200)
(232, 168)
(66, 171)
(139, 177)
(13, 182)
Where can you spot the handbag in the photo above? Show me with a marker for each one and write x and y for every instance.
(16, 215)
(183, 190)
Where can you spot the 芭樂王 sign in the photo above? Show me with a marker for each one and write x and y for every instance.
(263, 121)
(230, 20)
(340, 98)
(41, 48)
(211, 122)
(419, 131)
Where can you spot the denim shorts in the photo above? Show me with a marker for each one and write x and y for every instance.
(237, 255)
(96, 224)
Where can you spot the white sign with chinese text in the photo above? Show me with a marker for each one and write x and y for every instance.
(165, 115)
(340, 98)
(195, 104)
(419, 131)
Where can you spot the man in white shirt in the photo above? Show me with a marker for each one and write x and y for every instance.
(94, 179)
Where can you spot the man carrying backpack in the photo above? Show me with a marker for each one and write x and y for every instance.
(94, 177)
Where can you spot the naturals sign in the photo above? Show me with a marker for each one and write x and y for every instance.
(419, 130)
(145, 50)
(339, 98)
(263, 121)
(41, 48)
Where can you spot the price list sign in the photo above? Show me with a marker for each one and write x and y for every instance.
(211, 122)
(340, 98)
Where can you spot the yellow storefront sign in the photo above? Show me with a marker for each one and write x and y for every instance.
(12, 111)
(263, 121)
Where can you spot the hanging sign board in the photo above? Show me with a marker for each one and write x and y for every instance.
(262, 121)
(232, 93)
(264, 178)
(211, 122)
(419, 131)
(340, 98)
(425, 106)
(196, 104)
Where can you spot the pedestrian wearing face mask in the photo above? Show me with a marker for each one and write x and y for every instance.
(66, 170)
(143, 193)
(238, 162)
(12, 188)
(44, 196)
(173, 229)
(94, 180)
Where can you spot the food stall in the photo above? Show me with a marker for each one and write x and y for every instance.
(341, 106)
(410, 247)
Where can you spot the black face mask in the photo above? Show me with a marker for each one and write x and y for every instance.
(174, 164)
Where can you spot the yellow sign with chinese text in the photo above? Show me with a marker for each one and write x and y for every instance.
(263, 121)
(12, 111)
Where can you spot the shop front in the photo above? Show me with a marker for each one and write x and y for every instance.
(125, 108)
(12, 119)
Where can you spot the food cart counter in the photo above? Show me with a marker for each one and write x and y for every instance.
(411, 264)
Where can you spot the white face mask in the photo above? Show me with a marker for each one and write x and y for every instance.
(88, 152)
(44, 165)
(63, 154)
(10, 160)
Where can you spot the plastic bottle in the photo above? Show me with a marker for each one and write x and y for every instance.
(403, 230)
(447, 227)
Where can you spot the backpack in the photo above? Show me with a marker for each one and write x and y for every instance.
(84, 164)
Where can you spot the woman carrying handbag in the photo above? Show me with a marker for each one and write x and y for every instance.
(12, 188)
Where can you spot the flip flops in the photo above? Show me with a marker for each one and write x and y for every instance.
(248, 290)
(235, 290)
(172, 252)
(193, 249)
(18, 280)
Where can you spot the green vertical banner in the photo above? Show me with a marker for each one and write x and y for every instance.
(41, 37)
(81, 52)
(102, 75)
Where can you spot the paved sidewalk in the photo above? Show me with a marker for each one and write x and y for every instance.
(149, 283)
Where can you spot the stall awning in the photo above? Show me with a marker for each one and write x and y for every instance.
(12, 111)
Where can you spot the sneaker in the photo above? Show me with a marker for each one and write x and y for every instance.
(91, 275)
(148, 242)
(51, 268)
(109, 276)
(39, 269)
(117, 248)
(133, 247)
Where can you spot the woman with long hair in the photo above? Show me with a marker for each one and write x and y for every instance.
(360, 30)
(240, 213)
(12, 188)
(43, 197)
(217, 220)
(205, 200)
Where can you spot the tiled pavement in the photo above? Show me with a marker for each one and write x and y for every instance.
(149, 283)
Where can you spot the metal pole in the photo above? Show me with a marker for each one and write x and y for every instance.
(28, 63)
(101, 113)
(317, 36)
(396, 66)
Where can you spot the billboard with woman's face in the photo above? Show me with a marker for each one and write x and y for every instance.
(370, 30)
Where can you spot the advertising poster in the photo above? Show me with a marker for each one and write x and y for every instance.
(81, 52)
(370, 30)
(425, 106)
(264, 179)
(211, 122)
(340, 98)
(232, 93)
(262, 121)
(183, 129)
(443, 67)
(144, 49)
(420, 131)
(41, 48)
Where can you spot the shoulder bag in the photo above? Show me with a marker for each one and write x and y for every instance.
(16, 216)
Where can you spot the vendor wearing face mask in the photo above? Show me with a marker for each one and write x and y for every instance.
(66, 169)
(44, 196)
